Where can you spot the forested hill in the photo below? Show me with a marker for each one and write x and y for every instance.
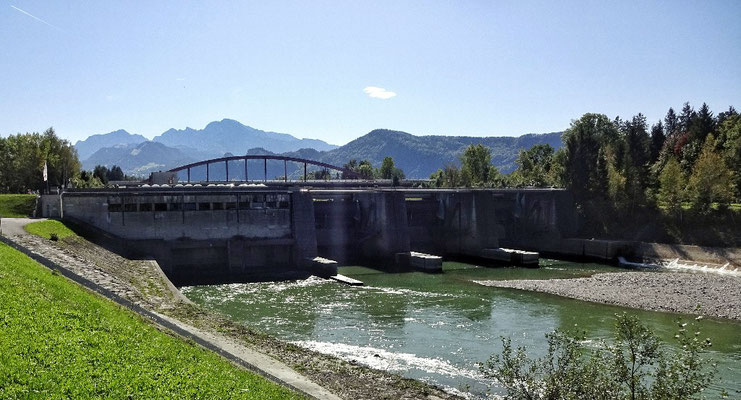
(419, 156)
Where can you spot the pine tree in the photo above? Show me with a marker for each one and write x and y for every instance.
(657, 142)
(585, 173)
(703, 124)
(671, 124)
(686, 118)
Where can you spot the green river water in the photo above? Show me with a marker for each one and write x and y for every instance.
(437, 327)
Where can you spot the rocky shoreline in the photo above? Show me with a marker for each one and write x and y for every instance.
(716, 295)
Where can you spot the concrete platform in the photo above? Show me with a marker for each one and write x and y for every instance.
(323, 267)
(420, 261)
(346, 280)
(513, 256)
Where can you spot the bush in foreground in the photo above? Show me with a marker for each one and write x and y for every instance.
(633, 366)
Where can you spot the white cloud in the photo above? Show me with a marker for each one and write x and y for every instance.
(378, 93)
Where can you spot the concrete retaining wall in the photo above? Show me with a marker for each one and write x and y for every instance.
(241, 233)
(715, 255)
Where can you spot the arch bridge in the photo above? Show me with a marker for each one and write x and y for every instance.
(306, 162)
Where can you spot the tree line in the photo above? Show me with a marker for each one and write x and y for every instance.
(691, 159)
(364, 170)
(23, 158)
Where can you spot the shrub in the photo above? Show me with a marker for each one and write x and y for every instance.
(633, 366)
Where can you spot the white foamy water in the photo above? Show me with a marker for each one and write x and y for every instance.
(393, 362)
(725, 269)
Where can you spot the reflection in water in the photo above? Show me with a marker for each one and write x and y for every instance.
(438, 327)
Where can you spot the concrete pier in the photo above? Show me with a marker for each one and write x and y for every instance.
(511, 256)
(420, 261)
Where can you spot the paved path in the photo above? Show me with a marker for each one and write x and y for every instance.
(14, 226)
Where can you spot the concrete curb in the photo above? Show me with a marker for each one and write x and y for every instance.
(153, 317)
(173, 290)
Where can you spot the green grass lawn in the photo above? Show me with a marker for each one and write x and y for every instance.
(47, 228)
(17, 205)
(58, 340)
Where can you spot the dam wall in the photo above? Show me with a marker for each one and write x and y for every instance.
(233, 233)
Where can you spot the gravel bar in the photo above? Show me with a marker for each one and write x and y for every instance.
(716, 295)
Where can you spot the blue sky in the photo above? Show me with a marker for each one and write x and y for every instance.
(309, 68)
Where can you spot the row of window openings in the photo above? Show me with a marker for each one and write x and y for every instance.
(143, 207)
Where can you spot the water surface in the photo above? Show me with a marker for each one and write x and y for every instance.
(438, 327)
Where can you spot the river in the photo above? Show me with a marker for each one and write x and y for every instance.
(438, 327)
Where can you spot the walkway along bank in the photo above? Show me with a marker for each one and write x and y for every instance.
(227, 233)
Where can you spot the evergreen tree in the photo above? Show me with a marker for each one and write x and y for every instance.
(722, 117)
(671, 124)
(115, 174)
(703, 124)
(638, 143)
(101, 172)
(657, 142)
(585, 170)
(686, 118)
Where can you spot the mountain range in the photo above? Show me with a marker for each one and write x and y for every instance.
(418, 156)
(86, 148)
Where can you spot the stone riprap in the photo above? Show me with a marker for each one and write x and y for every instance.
(716, 295)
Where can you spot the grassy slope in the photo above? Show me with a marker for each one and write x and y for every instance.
(17, 205)
(57, 340)
(46, 228)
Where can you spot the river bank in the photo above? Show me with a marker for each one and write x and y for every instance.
(142, 283)
(679, 292)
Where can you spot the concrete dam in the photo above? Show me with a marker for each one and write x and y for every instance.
(232, 233)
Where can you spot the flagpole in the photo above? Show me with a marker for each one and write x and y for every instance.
(46, 177)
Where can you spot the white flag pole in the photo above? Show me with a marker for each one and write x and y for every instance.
(46, 177)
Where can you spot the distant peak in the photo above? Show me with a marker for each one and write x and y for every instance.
(386, 133)
(226, 122)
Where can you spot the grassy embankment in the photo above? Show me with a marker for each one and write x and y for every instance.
(17, 205)
(46, 228)
(58, 340)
